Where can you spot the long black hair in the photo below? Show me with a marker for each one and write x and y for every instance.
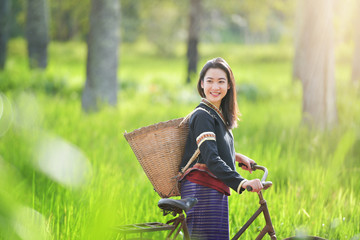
(229, 106)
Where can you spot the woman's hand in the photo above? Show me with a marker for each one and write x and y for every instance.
(255, 184)
(245, 160)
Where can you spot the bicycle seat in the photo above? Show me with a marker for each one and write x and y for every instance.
(177, 206)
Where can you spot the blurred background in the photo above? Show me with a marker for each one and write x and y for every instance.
(74, 76)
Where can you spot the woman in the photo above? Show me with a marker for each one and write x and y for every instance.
(211, 176)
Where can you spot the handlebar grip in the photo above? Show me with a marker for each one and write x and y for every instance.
(252, 165)
(266, 185)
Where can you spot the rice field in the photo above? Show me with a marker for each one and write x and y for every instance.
(65, 174)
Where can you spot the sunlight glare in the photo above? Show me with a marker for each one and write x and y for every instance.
(27, 112)
(62, 161)
(6, 114)
(30, 224)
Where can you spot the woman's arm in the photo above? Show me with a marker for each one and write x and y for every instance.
(245, 160)
(202, 125)
(255, 183)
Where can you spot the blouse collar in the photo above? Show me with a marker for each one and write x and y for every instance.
(212, 106)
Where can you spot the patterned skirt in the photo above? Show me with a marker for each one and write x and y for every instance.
(209, 218)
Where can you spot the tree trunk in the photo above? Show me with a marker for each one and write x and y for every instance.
(193, 38)
(37, 32)
(102, 59)
(355, 76)
(314, 63)
(299, 18)
(4, 30)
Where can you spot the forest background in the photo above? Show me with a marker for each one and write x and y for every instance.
(66, 171)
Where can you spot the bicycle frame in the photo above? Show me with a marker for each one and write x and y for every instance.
(175, 226)
(179, 223)
(268, 226)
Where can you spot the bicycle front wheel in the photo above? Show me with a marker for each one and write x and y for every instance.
(305, 238)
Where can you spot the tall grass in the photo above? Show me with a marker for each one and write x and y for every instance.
(315, 174)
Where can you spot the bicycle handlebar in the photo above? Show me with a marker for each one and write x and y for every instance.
(254, 167)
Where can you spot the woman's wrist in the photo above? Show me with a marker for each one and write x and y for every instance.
(240, 185)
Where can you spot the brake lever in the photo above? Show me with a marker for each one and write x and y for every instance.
(252, 165)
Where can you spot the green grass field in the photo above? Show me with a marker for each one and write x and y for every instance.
(65, 174)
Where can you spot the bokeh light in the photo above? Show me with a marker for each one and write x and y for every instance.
(6, 114)
(62, 161)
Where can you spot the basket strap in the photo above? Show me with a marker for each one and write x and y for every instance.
(178, 176)
(192, 159)
(197, 151)
(190, 114)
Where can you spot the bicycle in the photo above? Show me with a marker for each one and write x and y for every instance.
(178, 223)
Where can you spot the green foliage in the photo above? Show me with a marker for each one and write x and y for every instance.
(315, 174)
(130, 10)
(165, 23)
(69, 19)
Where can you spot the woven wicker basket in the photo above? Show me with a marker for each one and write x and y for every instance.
(159, 149)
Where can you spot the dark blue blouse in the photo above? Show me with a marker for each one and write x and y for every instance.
(207, 130)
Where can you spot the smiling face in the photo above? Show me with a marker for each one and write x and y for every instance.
(215, 85)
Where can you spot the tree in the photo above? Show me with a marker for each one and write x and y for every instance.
(130, 20)
(37, 32)
(193, 38)
(102, 59)
(355, 76)
(4, 29)
(162, 24)
(314, 62)
(69, 19)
